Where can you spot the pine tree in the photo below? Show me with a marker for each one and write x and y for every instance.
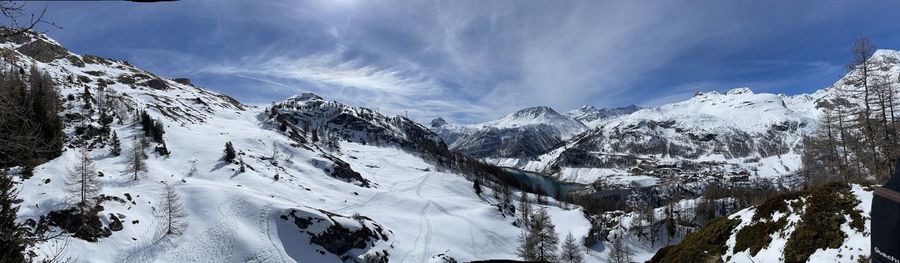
(136, 158)
(243, 166)
(83, 184)
(477, 186)
(116, 145)
(570, 251)
(86, 96)
(171, 212)
(12, 234)
(229, 154)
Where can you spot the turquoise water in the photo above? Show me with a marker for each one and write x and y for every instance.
(546, 183)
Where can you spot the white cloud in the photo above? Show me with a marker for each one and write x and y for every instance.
(466, 60)
(330, 69)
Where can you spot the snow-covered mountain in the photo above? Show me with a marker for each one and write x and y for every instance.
(735, 133)
(313, 180)
(520, 135)
(592, 116)
(537, 116)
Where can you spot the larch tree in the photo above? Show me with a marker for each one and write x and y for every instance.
(136, 158)
(540, 242)
(83, 183)
(570, 251)
(171, 212)
(524, 210)
(619, 252)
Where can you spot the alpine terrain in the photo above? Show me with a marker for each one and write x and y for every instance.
(103, 161)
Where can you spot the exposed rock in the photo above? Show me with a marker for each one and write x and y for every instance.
(185, 81)
(338, 234)
(43, 51)
(157, 84)
(88, 228)
(116, 224)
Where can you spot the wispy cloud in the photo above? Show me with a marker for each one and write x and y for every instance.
(472, 61)
(330, 69)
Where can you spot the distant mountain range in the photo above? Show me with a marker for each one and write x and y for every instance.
(522, 134)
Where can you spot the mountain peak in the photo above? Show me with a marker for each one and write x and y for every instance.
(305, 96)
(438, 122)
(587, 108)
(738, 91)
(534, 112)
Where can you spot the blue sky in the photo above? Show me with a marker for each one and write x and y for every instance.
(471, 61)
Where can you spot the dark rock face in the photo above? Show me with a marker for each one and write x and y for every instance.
(157, 84)
(449, 133)
(336, 238)
(116, 224)
(185, 81)
(88, 228)
(520, 142)
(656, 138)
(43, 51)
(342, 170)
(309, 113)
(437, 123)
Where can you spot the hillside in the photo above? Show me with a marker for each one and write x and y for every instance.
(737, 133)
(829, 223)
(523, 134)
(313, 180)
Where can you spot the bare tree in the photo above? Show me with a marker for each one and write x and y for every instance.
(171, 212)
(83, 184)
(570, 251)
(524, 210)
(540, 242)
(18, 21)
(30, 126)
(861, 71)
(136, 158)
(619, 252)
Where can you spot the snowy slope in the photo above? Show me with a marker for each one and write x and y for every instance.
(737, 131)
(520, 135)
(769, 232)
(592, 116)
(411, 211)
(539, 115)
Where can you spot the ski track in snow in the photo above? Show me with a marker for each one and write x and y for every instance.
(377, 197)
(216, 243)
(272, 253)
(496, 239)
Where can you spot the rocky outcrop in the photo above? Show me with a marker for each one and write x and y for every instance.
(346, 237)
(43, 51)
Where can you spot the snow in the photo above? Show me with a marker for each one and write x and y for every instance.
(235, 217)
(538, 115)
(427, 211)
(739, 109)
(856, 243)
(609, 176)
